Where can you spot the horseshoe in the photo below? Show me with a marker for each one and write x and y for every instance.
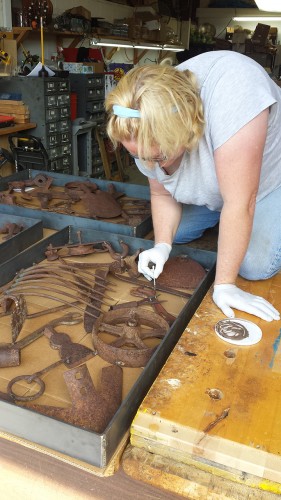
(131, 328)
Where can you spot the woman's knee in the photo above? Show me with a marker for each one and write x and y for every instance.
(255, 268)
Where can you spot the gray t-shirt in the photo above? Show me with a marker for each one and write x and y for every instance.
(234, 90)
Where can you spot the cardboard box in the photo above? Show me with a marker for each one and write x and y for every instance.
(73, 67)
(93, 67)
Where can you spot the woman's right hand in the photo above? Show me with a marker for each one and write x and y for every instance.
(156, 256)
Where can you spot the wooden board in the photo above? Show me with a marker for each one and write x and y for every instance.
(190, 482)
(176, 417)
(10, 46)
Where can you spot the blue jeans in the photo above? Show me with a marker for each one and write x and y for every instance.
(263, 257)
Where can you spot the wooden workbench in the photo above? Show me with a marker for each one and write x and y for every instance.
(177, 421)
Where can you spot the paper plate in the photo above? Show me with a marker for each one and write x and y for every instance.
(238, 331)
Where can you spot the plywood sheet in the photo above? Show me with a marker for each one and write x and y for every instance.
(178, 418)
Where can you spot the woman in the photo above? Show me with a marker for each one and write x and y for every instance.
(207, 134)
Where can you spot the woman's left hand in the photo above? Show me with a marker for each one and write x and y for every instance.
(227, 296)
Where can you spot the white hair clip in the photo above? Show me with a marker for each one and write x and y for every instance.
(124, 112)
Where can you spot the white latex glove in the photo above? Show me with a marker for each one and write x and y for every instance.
(227, 296)
(157, 256)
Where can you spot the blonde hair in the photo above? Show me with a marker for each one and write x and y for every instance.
(170, 107)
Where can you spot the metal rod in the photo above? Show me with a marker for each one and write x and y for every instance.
(21, 289)
(53, 280)
(56, 299)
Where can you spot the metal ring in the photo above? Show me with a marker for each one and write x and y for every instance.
(30, 379)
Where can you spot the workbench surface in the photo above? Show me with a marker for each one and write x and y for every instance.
(216, 404)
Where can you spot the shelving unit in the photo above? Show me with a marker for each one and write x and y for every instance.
(21, 34)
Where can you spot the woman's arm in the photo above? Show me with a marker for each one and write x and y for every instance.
(238, 165)
(166, 213)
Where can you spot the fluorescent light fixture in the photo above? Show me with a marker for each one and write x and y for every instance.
(128, 44)
(256, 18)
(111, 43)
(146, 46)
(173, 48)
(269, 5)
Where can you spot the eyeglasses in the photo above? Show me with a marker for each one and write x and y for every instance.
(153, 159)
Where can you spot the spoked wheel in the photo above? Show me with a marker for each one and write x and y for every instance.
(130, 327)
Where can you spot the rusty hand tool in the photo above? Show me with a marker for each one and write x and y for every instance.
(79, 287)
(37, 293)
(18, 313)
(90, 409)
(136, 303)
(81, 186)
(79, 248)
(10, 353)
(71, 355)
(89, 320)
(74, 270)
(160, 288)
(40, 180)
(44, 312)
(157, 305)
(117, 255)
(21, 288)
(11, 229)
(8, 199)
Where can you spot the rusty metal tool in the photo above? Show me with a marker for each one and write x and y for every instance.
(18, 313)
(71, 355)
(58, 281)
(160, 288)
(37, 293)
(11, 229)
(90, 409)
(70, 269)
(89, 320)
(10, 354)
(44, 312)
(80, 248)
(40, 180)
(38, 287)
(136, 303)
(156, 304)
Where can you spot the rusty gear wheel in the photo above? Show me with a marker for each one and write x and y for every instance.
(131, 327)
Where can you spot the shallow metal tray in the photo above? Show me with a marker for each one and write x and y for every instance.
(92, 448)
(31, 233)
(58, 221)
